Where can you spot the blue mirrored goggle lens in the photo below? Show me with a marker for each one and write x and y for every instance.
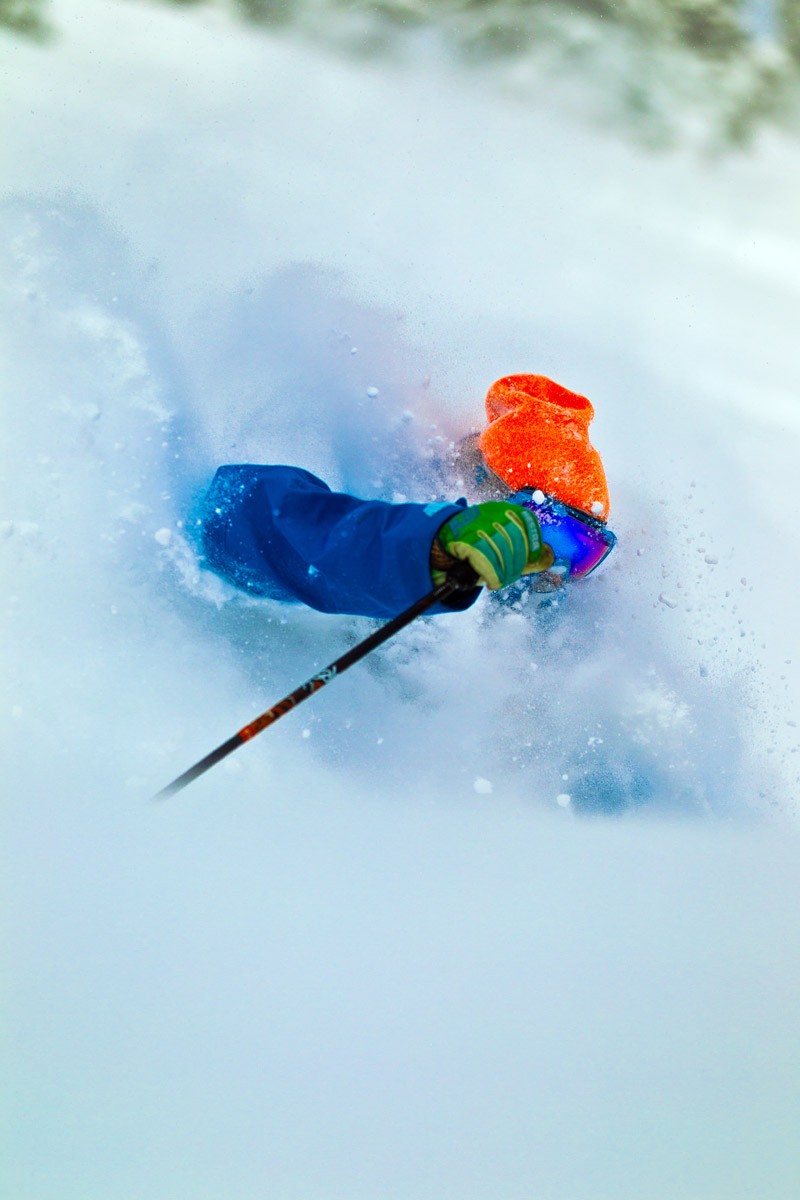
(577, 545)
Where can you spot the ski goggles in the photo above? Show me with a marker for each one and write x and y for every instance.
(579, 541)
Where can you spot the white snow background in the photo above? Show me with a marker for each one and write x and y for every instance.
(379, 952)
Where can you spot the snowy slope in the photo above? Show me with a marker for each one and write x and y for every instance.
(337, 967)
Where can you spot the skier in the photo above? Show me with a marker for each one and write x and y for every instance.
(280, 532)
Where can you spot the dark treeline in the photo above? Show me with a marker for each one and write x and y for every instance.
(657, 64)
(717, 29)
(714, 28)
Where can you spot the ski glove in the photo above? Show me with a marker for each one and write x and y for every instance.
(499, 540)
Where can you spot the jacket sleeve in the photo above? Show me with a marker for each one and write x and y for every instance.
(280, 532)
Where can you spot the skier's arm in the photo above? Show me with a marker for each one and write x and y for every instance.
(281, 532)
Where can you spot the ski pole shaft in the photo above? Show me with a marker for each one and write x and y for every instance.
(313, 685)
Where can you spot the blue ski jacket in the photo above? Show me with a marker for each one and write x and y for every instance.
(280, 532)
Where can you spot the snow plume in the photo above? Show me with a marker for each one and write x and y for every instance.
(587, 696)
(89, 408)
(297, 365)
(579, 697)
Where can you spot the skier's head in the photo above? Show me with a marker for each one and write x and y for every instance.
(538, 437)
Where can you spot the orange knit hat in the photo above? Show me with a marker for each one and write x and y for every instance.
(538, 436)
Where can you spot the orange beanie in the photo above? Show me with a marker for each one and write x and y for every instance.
(538, 436)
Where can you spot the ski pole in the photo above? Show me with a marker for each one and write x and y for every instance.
(466, 579)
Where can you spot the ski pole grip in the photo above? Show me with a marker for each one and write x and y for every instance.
(463, 576)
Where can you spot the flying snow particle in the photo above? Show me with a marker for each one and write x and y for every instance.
(163, 536)
(670, 603)
(483, 786)
(563, 800)
(372, 392)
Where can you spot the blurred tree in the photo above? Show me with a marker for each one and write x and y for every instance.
(789, 19)
(711, 27)
(267, 12)
(258, 12)
(24, 16)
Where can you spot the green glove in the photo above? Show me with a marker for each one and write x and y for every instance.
(499, 540)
